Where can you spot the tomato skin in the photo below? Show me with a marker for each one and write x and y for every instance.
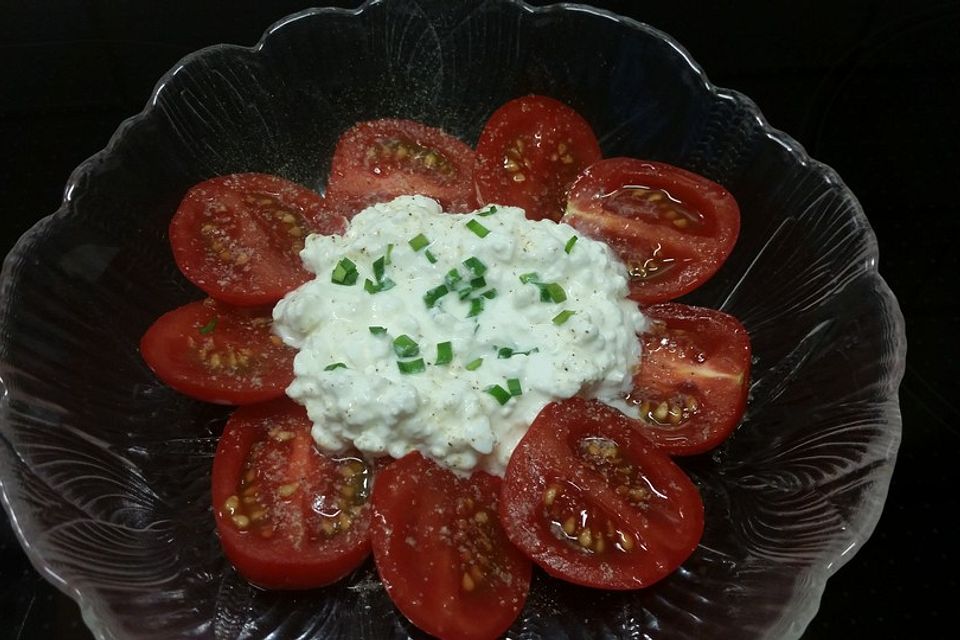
(555, 145)
(275, 562)
(646, 535)
(417, 545)
(665, 260)
(692, 355)
(218, 353)
(378, 160)
(238, 237)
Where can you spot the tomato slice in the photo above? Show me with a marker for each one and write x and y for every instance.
(530, 150)
(442, 553)
(691, 386)
(288, 516)
(382, 159)
(593, 502)
(239, 237)
(218, 353)
(672, 228)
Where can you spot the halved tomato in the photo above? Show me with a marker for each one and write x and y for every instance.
(441, 551)
(593, 502)
(691, 385)
(218, 353)
(530, 150)
(672, 228)
(381, 159)
(288, 516)
(239, 237)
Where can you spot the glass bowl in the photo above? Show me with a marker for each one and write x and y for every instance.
(105, 471)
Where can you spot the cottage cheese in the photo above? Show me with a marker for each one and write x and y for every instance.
(349, 376)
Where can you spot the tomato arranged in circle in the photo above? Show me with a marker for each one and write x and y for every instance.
(379, 160)
(530, 150)
(219, 353)
(672, 228)
(593, 502)
(239, 237)
(288, 516)
(691, 385)
(442, 553)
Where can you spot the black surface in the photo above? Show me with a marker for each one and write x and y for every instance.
(866, 86)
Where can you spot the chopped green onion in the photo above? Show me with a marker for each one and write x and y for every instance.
(335, 365)
(473, 365)
(507, 352)
(378, 267)
(569, 246)
(444, 353)
(209, 327)
(431, 297)
(478, 283)
(412, 366)
(513, 386)
(489, 294)
(552, 292)
(489, 212)
(405, 347)
(452, 278)
(432, 258)
(418, 242)
(478, 229)
(377, 331)
(475, 265)
(344, 273)
(526, 278)
(371, 287)
(562, 317)
(387, 259)
(502, 395)
(476, 307)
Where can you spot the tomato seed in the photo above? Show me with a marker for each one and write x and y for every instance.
(241, 521)
(231, 504)
(467, 582)
(287, 490)
(481, 517)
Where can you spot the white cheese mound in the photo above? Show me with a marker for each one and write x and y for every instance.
(348, 376)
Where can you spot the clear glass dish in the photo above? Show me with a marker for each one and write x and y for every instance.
(104, 471)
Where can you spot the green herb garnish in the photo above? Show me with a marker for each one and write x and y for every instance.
(569, 246)
(444, 353)
(418, 242)
(335, 365)
(502, 395)
(344, 273)
(473, 365)
(405, 347)
(209, 327)
(562, 317)
(412, 366)
(478, 229)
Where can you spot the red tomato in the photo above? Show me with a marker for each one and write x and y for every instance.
(691, 386)
(239, 237)
(530, 150)
(382, 159)
(288, 516)
(672, 228)
(592, 501)
(217, 353)
(442, 553)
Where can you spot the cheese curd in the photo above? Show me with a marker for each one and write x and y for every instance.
(526, 312)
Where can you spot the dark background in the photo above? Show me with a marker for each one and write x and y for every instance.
(867, 86)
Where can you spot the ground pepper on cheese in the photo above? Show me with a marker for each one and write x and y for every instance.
(447, 333)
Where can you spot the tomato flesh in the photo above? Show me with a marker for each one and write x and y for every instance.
(691, 385)
(672, 228)
(239, 237)
(442, 553)
(530, 150)
(593, 502)
(288, 516)
(379, 160)
(219, 353)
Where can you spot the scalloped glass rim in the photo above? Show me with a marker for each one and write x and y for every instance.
(811, 580)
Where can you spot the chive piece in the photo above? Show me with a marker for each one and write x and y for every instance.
(344, 273)
(418, 242)
(476, 307)
(478, 229)
(432, 258)
(562, 317)
(502, 395)
(526, 278)
(335, 365)
(444, 353)
(473, 365)
(569, 246)
(475, 265)
(513, 386)
(412, 366)
(431, 297)
(489, 294)
(209, 327)
(377, 331)
(488, 212)
(371, 287)
(552, 292)
(504, 352)
(478, 283)
(405, 347)
(452, 278)
(378, 267)
(386, 258)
